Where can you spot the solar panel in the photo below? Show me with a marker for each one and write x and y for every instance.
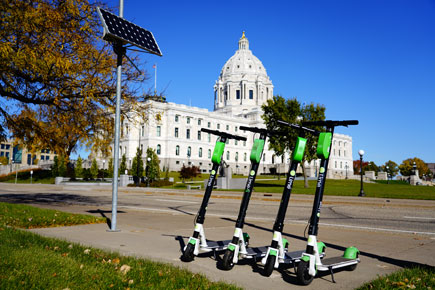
(117, 28)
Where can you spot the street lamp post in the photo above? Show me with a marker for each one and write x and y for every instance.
(361, 153)
(148, 170)
(346, 166)
(104, 163)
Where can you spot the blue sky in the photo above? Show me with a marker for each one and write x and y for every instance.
(369, 60)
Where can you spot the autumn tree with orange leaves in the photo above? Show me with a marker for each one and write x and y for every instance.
(57, 77)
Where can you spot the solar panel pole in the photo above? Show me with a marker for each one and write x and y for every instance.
(120, 51)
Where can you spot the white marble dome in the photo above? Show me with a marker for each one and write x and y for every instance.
(243, 83)
(243, 62)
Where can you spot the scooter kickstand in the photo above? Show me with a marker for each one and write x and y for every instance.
(332, 274)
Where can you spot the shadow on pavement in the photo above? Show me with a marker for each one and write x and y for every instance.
(388, 260)
(53, 198)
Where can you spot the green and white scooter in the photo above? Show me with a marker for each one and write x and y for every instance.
(310, 262)
(198, 241)
(239, 243)
(277, 253)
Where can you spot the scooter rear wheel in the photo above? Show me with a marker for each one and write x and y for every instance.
(227, 260)
(270, 264)
(302, 272)
(188, 253)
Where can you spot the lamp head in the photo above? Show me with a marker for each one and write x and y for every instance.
(361, 152)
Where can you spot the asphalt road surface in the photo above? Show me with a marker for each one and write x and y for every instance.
(389, 233)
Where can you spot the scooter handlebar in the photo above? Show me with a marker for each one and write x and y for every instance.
(295, 126)
(331, 123)
(261, 130)
(223, 134)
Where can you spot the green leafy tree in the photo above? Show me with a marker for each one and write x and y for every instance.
(152, 171)
(94, 169)
(78, 168)
(393, 168)
(406, 168)
(371, 166)
(137, 164)
(123, 165)
(62, 166)
(110, 168)
(55, 167)
(292, 111)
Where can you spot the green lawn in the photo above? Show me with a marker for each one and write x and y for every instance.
(30, 261)
(352, 188)
(410, 278)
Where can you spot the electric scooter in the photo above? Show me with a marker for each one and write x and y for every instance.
(310, 262)
(240, 240)
(198, 241)
(277, 253)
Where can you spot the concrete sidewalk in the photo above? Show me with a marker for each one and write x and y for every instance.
(160, 237)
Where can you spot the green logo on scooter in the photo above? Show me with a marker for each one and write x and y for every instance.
(213, 172)
(252, 172)
(292, 173)
(322, 170)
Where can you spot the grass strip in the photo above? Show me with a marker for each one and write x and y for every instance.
(28, 217)
(31, 261)
(408, 278)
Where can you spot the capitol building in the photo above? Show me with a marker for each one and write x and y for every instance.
(242, 87)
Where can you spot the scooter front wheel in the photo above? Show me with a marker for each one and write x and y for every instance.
(188, 253)
(270, 264)
(304, 276)
(227, 260)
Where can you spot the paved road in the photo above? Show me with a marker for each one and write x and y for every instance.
(155, 224)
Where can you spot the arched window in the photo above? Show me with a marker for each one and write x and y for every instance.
(209, 153)
(228, 155)
(200, 152)
(189, 151)
(159, 149)
(244, 156)
(177, 150)
(237, 156)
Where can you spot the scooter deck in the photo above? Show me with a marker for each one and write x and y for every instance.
(216, 245)
(257, 252)
(336, 262)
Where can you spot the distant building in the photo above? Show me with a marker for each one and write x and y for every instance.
(20, 155)
(242, 87)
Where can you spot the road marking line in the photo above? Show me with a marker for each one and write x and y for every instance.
(171, 200)
(287, 220)
(420, 218)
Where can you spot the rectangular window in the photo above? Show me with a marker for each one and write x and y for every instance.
(29, 159)
(176, 133)
(3, 146)
(188, 120)
(218, 126)
(2, 153)
(199, 122)
(177, 117)
(199, 135)
(209, 137)
(143, 131)
(208, 125)
(47, 157)
(251, 94)
(8, 146)
(238, 94)
(42, 157)
(159, 131)
(187, 133)
(228, 127)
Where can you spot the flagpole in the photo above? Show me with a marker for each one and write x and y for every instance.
(155, 79)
